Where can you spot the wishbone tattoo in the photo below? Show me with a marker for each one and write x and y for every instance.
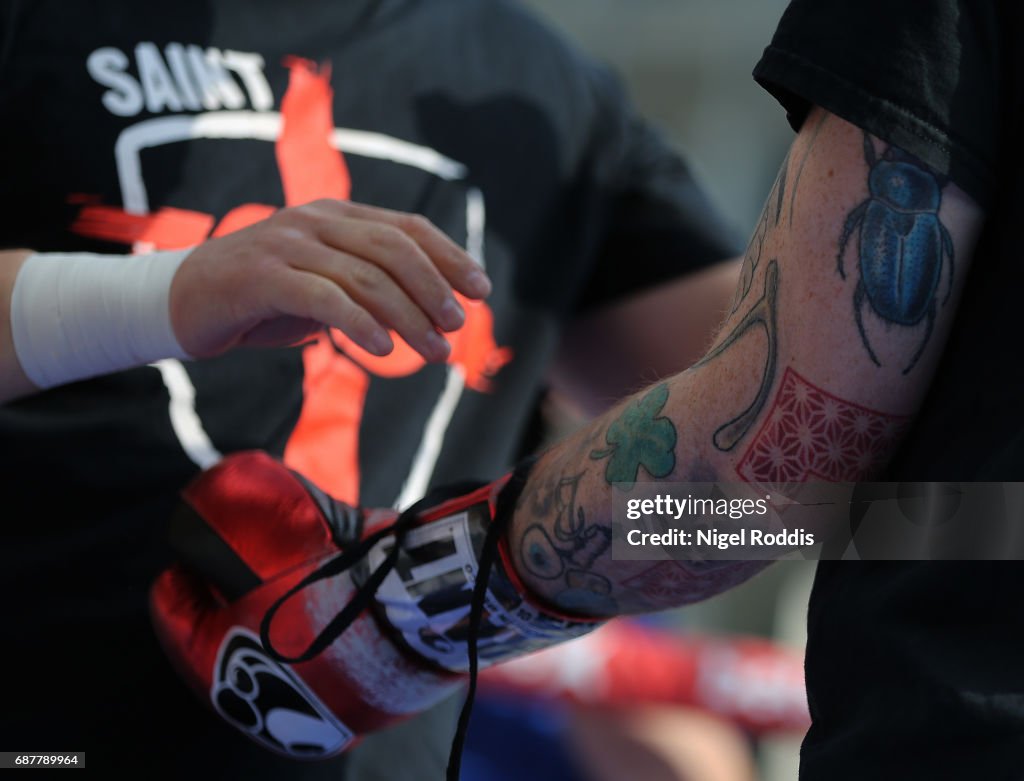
(762, 314)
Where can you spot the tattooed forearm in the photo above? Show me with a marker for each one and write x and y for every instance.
(794, 406)
(903, 247)
(567, 558)
(562, 547)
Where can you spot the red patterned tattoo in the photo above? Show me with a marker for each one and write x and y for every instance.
(674, 583)
(664, 582)
(809, 434)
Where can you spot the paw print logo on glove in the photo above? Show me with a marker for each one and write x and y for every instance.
(267, 702)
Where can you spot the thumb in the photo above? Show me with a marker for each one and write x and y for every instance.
(180, 602)
(184, 610)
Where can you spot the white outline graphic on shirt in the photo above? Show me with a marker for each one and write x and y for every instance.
(266, 126)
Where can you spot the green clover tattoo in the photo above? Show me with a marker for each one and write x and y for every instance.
(640, 437)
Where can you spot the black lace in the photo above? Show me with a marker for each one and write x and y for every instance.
(503, 511)
(365, 592)
(476, 611)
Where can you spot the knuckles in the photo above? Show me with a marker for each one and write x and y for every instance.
(305, 218)
(278, 242)
(403, 235)
(320, 297)
(416, 225)
(388, 238)
(366, 277)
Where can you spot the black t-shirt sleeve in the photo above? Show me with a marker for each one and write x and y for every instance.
(927, 77)
(657, 222)
(8, 19)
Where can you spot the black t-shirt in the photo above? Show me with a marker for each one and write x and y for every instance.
(914, 670)
(154, 125)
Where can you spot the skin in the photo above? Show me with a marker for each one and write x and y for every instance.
(358, 268)
(791, 348)
(367, 270)
(792, 322)
(659, 743)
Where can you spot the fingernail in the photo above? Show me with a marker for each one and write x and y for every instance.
(380, 343)
(437, 346)
(479, 284)
(452, 315)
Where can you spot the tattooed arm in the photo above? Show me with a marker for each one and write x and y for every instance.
(846, 294)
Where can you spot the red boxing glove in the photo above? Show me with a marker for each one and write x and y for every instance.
(756, 684)
(305, 622)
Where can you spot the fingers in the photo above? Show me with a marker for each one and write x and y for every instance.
(396, 267)
(281, 332)
(450, 260)
(358, 268)
(370, 287)
(388, 251)
(307, 295)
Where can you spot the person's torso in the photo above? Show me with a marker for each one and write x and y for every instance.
(913, 667)
(134, 127)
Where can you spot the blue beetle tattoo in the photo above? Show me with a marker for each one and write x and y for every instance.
(903, 246)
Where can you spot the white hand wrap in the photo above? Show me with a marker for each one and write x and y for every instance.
(79, 315)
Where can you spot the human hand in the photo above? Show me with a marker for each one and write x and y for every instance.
(361, 269)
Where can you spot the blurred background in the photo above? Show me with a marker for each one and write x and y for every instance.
(687, 66)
